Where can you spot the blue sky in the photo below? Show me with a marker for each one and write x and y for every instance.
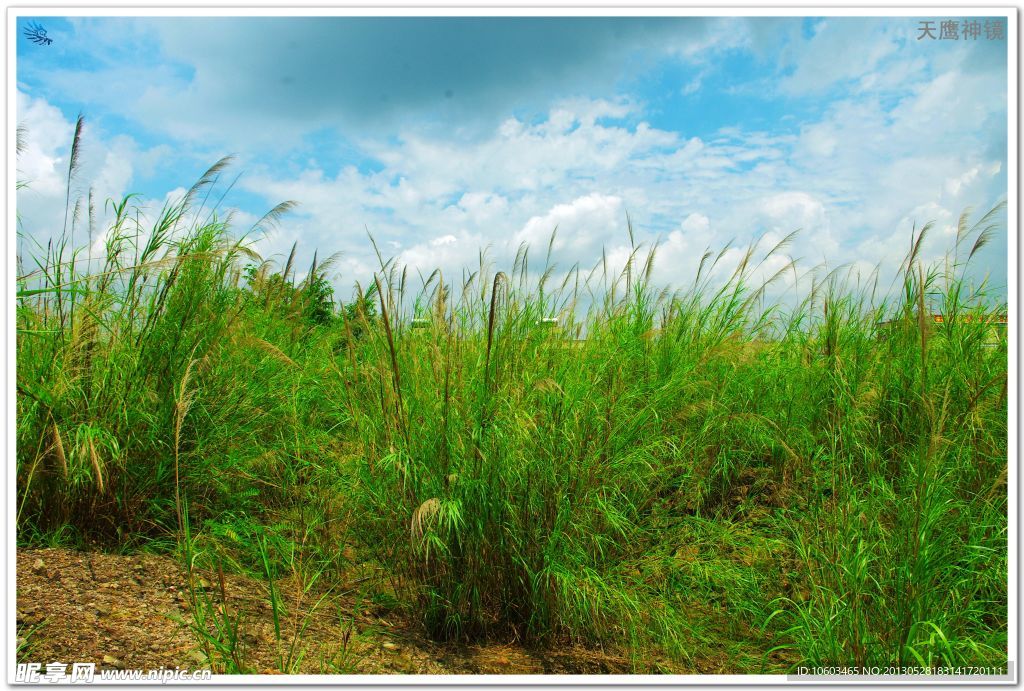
(442, 136)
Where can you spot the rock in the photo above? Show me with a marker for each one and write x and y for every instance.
(22, 642)
(388, 645)
(39, 567)
(102, 610)
(197, 658)
(113, 662)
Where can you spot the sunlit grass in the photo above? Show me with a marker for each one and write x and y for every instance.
(672, 475)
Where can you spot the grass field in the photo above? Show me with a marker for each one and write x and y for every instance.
(662, 474)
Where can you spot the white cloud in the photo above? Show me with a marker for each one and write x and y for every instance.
(696, 223)
(692, 86)
(47, 138)
(955, 184)
(480, 208)
(819, 140)
(584, 226)
(105, 167)
(788, 211)
(840, 49)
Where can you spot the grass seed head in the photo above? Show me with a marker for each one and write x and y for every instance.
(421, 516)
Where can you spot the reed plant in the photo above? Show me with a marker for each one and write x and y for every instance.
(534, 454)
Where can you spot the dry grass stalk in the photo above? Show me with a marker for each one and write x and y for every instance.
(547, 385)
(270, 349)
(423, 513)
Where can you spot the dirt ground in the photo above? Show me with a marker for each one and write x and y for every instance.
(135, 612)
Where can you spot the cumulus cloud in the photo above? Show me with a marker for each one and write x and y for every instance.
(784, 213)
(583, 225)
(104, 168)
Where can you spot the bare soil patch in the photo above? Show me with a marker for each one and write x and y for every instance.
(134, 612)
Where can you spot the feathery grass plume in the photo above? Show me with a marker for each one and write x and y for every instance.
(983, 239)
(58, 450)
(20, 139)
(270, 349)
(273, 217)
(312, 267)
(73, 165)
(206, 182)
(288, 263)
(962, 229)
(915, 249)
(983, 227)
(423, 514)
(97, 466)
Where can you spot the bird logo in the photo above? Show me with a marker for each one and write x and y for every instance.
(37, 34)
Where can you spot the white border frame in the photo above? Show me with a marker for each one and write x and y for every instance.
(420, 9)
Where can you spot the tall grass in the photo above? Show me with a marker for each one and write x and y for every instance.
(665, 473)
(909, 552)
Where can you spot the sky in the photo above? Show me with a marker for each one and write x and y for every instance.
(442, 137)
